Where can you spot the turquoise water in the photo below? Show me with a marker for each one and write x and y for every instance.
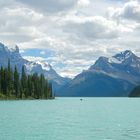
(71, 119)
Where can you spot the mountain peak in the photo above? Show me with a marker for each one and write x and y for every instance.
(30, 66)
(102, 61)
(115, 77)
(127, 52)
(124, 55)
(123, 58)
(17, 49)
(45, 65)
(2, 46)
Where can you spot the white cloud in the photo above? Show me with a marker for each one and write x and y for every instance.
(129, 11)
(21, 51)
(50, 6)
(34, 59)
(95, 27)
(83, 3)
(76, 31)
(42, 52)
(19, 25)
(5, 3)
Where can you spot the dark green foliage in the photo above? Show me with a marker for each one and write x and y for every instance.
(23, 85)
(9, 76)
(16, 82)
(14, 85)
(135, 92)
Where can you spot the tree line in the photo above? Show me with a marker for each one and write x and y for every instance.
(22, 86)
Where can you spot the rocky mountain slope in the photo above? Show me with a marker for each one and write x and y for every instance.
(30, 66)
(115, 77)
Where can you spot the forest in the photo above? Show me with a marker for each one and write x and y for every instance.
(15, 85)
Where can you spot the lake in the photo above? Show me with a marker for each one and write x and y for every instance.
(70, 119)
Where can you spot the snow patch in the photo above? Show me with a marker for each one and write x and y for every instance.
(114, 60)
(45, 65)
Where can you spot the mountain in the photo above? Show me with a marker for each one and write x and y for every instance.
(108, 77)
(135, 92)
(30, 66)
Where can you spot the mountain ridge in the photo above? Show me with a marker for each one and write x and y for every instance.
(113, 76)
(123, 70)
(30, 66)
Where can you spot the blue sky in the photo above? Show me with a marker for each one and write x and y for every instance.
(70, 34)
(37, 52)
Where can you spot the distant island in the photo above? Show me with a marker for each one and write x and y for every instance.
(15, 85)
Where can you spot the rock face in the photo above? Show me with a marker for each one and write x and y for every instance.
(108, 77)
(135, 92)
(30, 66)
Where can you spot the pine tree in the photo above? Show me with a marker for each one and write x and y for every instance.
(42, 85)
(19, 86)
(2, 79)
(50, 91)
(36, 85)
(5, 82)
(9, 79)
(23, 86)
(16, 82)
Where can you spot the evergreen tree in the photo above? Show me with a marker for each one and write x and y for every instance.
(50, 91)
(9, 79)
(23, 86)
(36, 85)
(42, 85)
(29, 86)
(1, 79)
(16, 82)
(5, 82)
(23, 83)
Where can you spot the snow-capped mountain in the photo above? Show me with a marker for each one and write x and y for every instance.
(13, 55)
(30, 66)
(114, 76)
(125, 64)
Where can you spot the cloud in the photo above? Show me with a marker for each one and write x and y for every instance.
(96, 27)
(83, 3)
(22, 51)
(5, 3)
(42, 52)
(50, 6)
(76, 32)
(34, 59)
(19, 25)
(129, 11)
